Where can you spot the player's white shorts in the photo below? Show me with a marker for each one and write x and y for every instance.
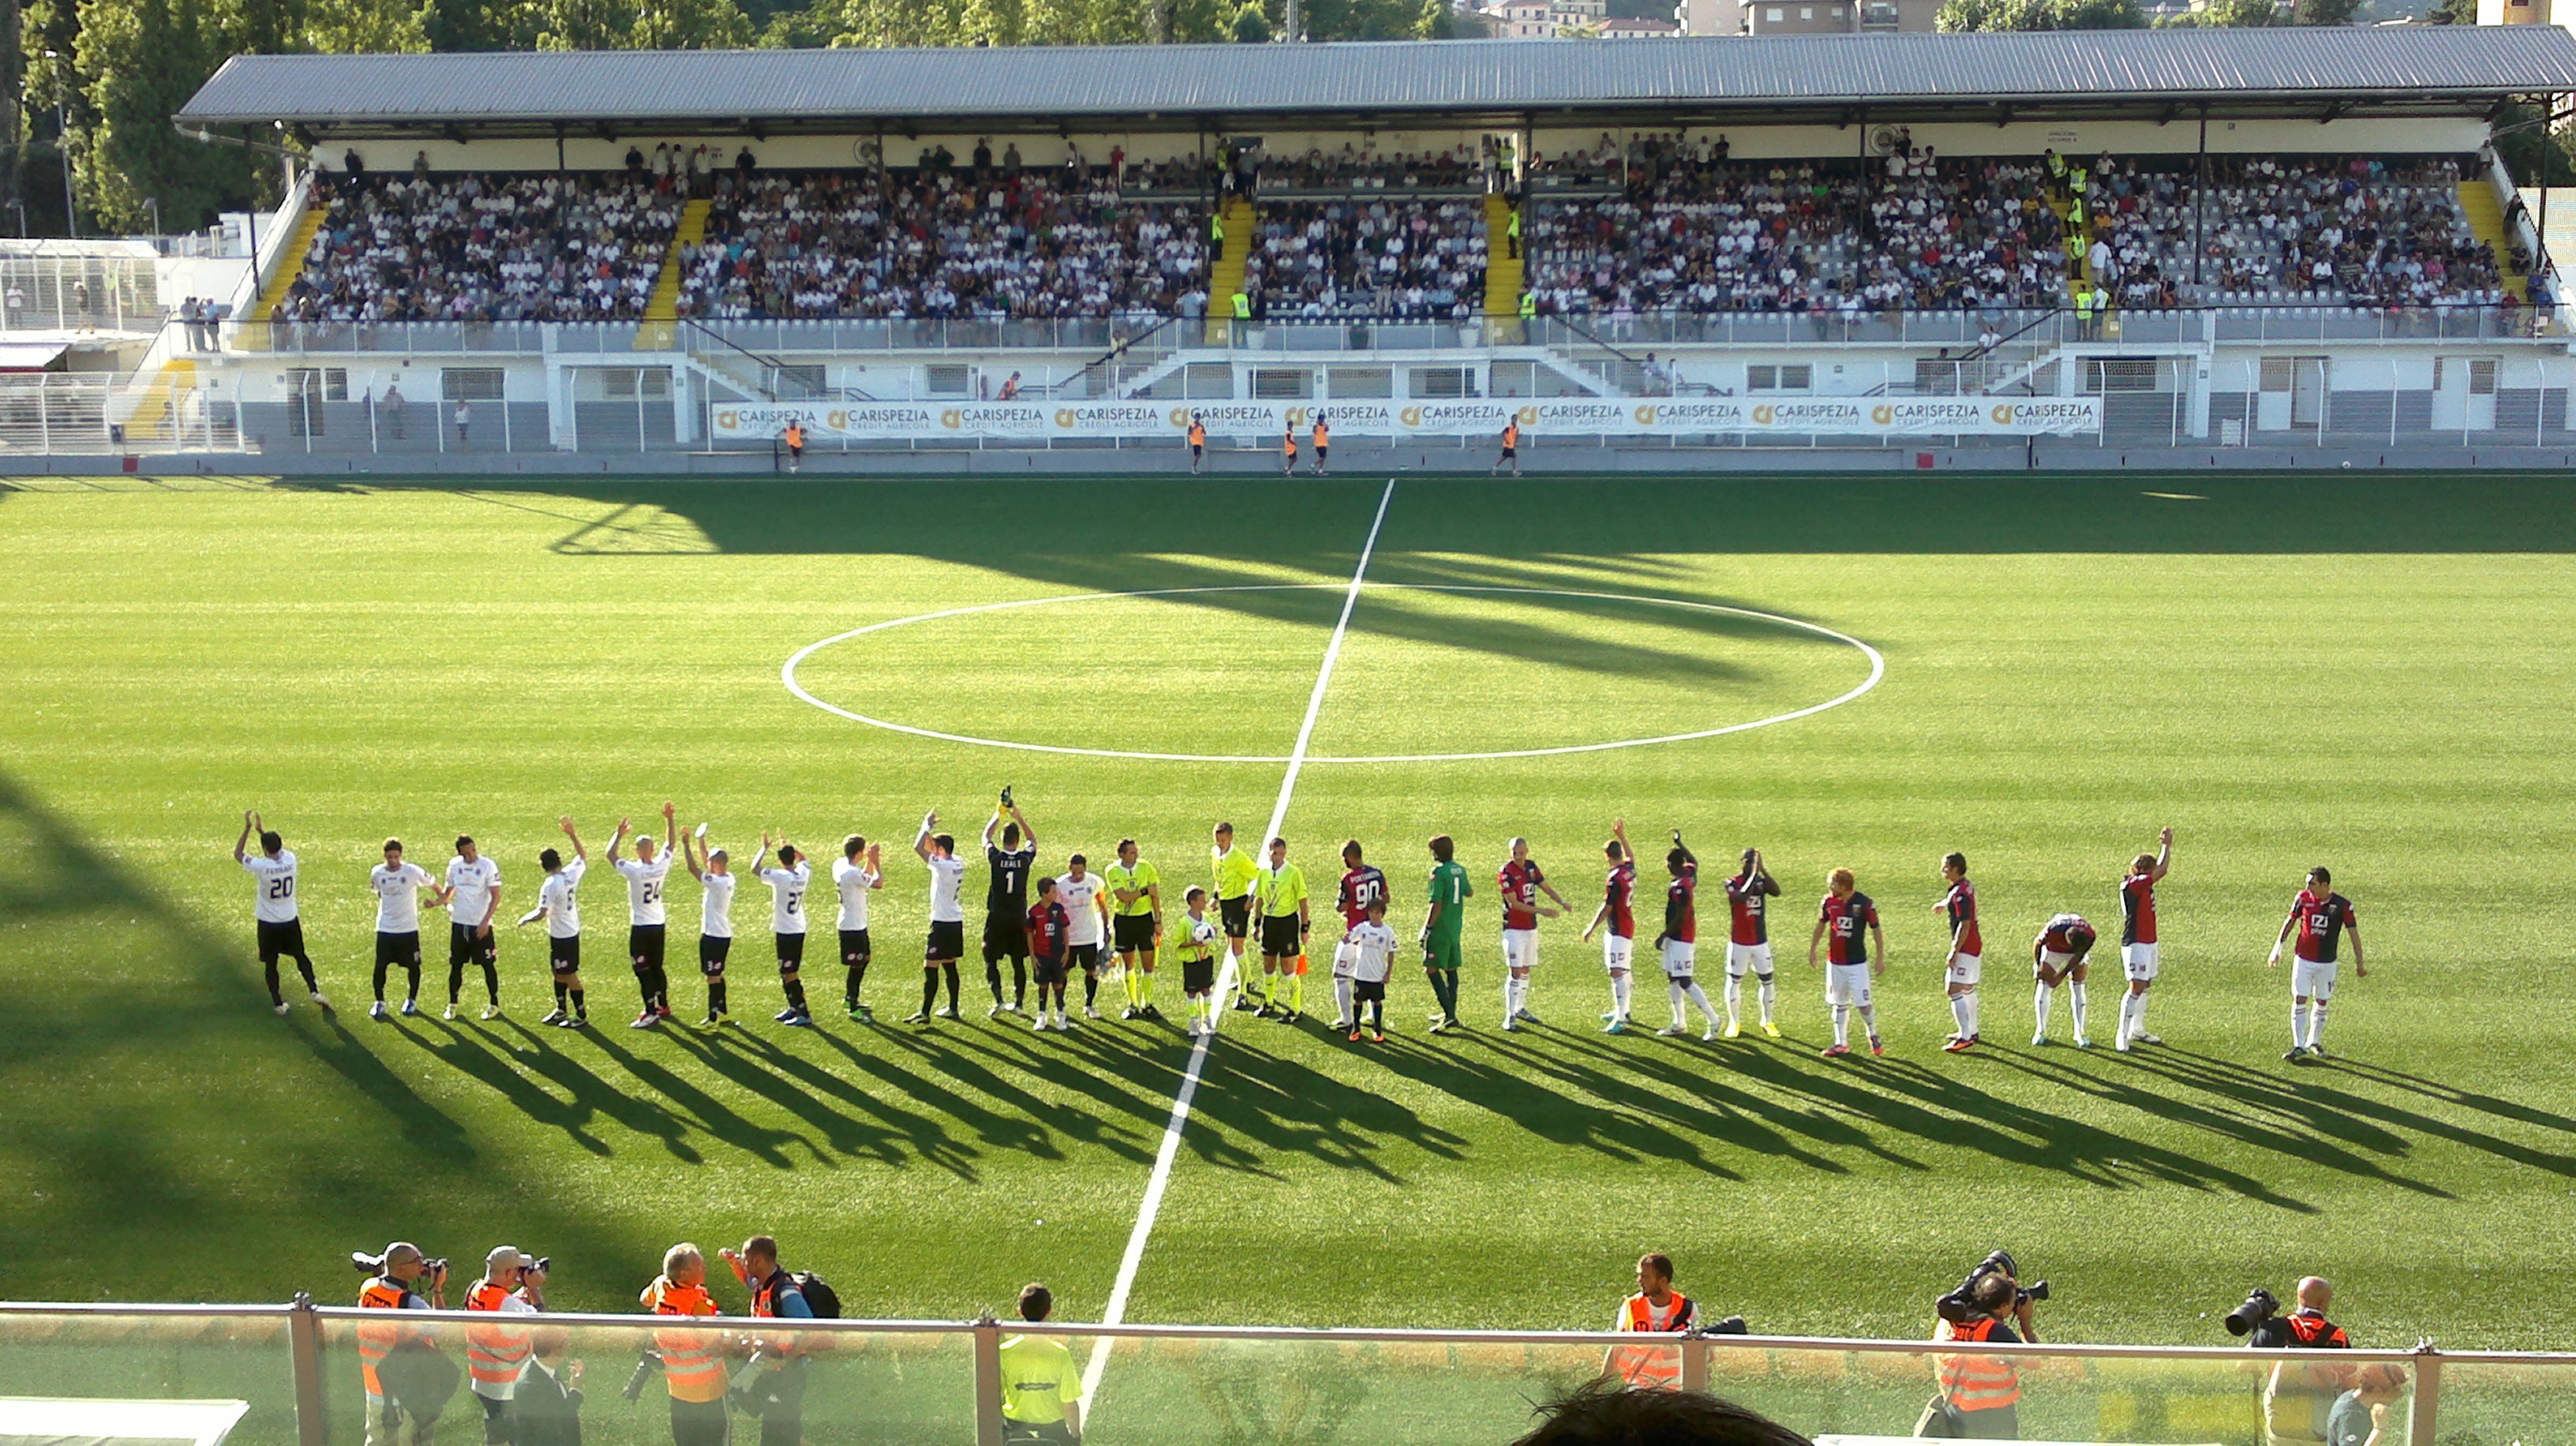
(1345, 960)
(2312, 980)
(1741, 957)
(1847, 984)
(1681, 958)
(1965, 968)
(2058, 963)
(1520, 948)
(2139, 960)
(1615, 952)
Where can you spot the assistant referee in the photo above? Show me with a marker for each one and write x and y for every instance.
(1041, 1388)
(1234, 873)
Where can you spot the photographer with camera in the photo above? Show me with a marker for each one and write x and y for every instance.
(401, 1367)
(496, 1355)
(2297, 1397)
(1981, 1395)
(772, 1387)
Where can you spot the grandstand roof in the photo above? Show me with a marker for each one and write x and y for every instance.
(2292, 70)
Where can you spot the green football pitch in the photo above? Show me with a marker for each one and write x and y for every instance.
(2368, 672)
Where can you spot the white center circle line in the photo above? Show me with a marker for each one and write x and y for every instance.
(1877, 671)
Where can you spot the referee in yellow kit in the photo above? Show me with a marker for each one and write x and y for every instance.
(1041, 1388)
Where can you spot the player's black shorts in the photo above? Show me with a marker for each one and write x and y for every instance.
(1132, 931)
(1046, 969)
(565, 956)
(1236, 915)
(403, 949)
(854, 947)
(1280, 936)
(791, 950)
(280, 939)
(644, 944)
(1085, 957)
(1369, 991)
(947, 940)
(713, 950)
(1511, 451)
(466, 945)
(1006, 936)
(1321, 451)
(1198, 976)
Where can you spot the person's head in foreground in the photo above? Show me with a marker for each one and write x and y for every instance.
(1600, 1414)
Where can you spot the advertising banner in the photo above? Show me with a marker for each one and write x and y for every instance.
(1866, 417)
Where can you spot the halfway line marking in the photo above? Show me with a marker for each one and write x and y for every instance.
(1170, 1151)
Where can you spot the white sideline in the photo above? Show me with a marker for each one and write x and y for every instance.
(1115, 1312)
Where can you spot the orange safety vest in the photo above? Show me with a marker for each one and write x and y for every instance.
(1511, 434)
(494, 1354)
(764, 1303)
(1975, 1383)
(795, 435)
(1323, 436)
(1652, 1369)
(690, 1365)
(375, 1342)
(1288, 444)
(1198, 435)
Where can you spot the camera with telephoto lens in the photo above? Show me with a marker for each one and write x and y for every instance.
(1959, 1307)
(645, 1366)
(2260, 1305)
(366, 1264)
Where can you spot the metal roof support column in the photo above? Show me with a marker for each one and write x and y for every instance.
(2200, 206)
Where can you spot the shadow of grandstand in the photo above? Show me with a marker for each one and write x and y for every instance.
(200, 1180)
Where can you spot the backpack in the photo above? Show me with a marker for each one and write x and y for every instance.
(819, 1297)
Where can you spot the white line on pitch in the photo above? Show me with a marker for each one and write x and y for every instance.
(1116, 1311)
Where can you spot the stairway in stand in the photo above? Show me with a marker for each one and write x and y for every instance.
(1225, 274)
(2485, 215)
(661, 328)
(1503, 270)
(290, 265)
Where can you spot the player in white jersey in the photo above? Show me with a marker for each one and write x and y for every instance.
(647, 921)
(1085, 896)
(787, 885)
(280, 928)
(715, 919)
(947, 941)
(396, 885)
(473, 899)
(1372, 946)
(559, 904)
(859, 872)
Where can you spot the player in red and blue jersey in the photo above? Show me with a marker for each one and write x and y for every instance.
(1748, 944)
(1845, 913)
(1363, 884)
(2138, 940)
(1521, 881)
(1618, 943)
(1966, 959)
(1680, 940)
(2322, 917)
(2060, 952)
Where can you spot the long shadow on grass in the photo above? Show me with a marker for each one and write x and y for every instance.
(127, 1124)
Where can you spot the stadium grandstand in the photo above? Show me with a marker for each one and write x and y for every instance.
(2206, 239)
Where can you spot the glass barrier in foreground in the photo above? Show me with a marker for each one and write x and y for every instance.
(220, 1359)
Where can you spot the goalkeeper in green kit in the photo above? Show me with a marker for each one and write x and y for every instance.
(1441, 931)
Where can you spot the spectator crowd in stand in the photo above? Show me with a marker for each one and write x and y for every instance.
(991, 241)
(1417, 259)
(567, 246)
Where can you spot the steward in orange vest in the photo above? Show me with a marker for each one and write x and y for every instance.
(692, 1359)
(1982, 1393)
(1655, 1307)
(776, 1378)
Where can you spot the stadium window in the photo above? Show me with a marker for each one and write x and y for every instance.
(471, 384)
(318, 384)
(1361, 381)
(1793, 378)
(619, 383)
(1773, 14)
(947, 379)
(790, 380)
(1282, 384)
(1209, 382)
(1806, 12)
(1442, 382)
(2120, 374)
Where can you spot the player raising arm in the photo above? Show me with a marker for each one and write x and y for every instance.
(1522, 881)
(1006, 904)
(2322, 918)
(1840, 920)
(559, 904)
(787, 885)
(859, 872)
(647, 919)
(947, 941)
(2138, 940)
(273, 912)
(1618, 922)
(1679, 943)
(1748, 940)
(715, 918)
